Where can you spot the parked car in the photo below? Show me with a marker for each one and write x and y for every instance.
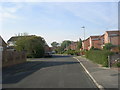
(47, 54)
(53, 52)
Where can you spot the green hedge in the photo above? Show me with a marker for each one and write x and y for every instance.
(72, 52)
(98, 56)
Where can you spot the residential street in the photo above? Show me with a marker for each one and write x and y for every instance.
(55, 72)
(63, 44)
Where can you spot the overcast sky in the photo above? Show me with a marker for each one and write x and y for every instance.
(57, 21)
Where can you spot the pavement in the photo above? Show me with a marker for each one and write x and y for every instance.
(105, 77)
(56, 72)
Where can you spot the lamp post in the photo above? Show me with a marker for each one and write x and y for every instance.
(84, 36)
(84, 31)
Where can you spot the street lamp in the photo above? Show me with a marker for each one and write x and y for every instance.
(84, 36)
(84, 31)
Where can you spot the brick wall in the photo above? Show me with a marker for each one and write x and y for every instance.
(10, 58)
(86, 44)
(96, 44)
(115, 40)
(73, 46)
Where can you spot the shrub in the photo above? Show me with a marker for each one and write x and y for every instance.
(108, 46)
(72, 52)
(118, 64)
(98, 56)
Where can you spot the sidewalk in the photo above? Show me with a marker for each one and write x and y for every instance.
(106, 77)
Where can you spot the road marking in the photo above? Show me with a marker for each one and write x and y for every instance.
(98, 85)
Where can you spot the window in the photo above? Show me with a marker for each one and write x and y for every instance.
(113, 35)
(96, 39)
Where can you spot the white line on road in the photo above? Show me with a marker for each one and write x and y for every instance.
(98, 85)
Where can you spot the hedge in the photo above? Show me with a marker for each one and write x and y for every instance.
(72, 52)
(98, 56)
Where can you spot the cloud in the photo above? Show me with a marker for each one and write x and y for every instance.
(95, 13)
(9, 12)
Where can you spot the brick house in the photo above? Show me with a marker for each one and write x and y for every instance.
(102, 40)
(95, 42)
(86, 44)
(67, 48)
(3, 44)
(47, 48)
(10, 58)
(92, 41)
(112, 37)
(73, 46)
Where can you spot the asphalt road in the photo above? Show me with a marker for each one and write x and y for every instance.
(55, 72)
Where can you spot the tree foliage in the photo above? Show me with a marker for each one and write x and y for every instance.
(65, 44)
(54, 44)
(33, 45)
(108, 46)
(59, 50)
(79, 44)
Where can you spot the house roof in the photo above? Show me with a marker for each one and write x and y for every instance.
(86, 39)
(2, 42)
(14, 38)
(102, 35)
(95, 36)
(73, 42)
(114, 33)
(98, 36)
(117, 31)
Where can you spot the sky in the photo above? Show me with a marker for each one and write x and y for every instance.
(58, 21)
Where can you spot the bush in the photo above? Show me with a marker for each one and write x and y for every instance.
(118, 64)
(72, 52)
(69, 52)
(98, 56)
(108, 46)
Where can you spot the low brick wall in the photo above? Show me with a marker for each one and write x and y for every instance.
(10, 58)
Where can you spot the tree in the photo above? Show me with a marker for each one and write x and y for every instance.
(65, 44)
(58, 50)
(79, 43)
(54, 44)
(33, 45)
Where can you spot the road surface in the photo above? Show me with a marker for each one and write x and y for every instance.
(55, 72)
